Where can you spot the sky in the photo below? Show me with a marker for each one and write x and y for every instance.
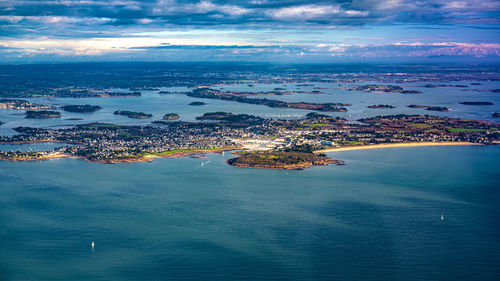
(283, 31)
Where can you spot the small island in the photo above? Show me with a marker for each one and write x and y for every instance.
(44, 114)
(132, 114)
(282, 160)
(386, 106)
(171, 116)
(477, 103)
(233, 120)
(495, 115)
(121, 94)
(197, 103)
(431, 108)
(384, 89)
(87, 108)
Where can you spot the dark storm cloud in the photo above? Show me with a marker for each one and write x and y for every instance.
(25, 16)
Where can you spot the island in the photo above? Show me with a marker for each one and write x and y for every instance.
(444, 86)
(87, 108)
(170, 116)
(43, 114)
(197, 103)
(132, 114)
(282, 160)
(495, 115)
(477, 103)
(384, 106)
(232, 120)
(383, 89)
(431, 108)
(120, 94)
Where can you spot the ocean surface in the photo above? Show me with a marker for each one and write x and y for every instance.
(376, 218)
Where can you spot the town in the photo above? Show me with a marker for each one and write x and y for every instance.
(110, 143)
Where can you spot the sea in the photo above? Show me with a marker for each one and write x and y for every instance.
(407, 213)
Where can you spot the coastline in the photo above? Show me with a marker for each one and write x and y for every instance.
(301, 166)
(41, 158)
(150, 157)
(392, 145)
(144, 158)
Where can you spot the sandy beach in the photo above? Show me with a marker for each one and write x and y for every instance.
(390, 145)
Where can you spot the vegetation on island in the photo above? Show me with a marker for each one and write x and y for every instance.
(444, 86)
(381, 106)
(170, 116)
(384, 89)
(197, 103)
(232, 119)
(43, 114)
(121, 94)
(287, 160)
(477, 103)
(132, 114)
(87, 108)
(431, 108)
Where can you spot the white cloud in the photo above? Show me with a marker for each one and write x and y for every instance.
(168, 7)
(308, 12)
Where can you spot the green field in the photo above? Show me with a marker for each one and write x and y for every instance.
(459, 130)
(186, 149)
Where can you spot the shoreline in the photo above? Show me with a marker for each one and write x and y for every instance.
(393, 145)
(144, 158)
(150, 157)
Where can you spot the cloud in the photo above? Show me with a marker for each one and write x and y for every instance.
(258, 13)
(101, 27)
(308, 12)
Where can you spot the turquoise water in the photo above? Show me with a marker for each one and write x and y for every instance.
(376, 218)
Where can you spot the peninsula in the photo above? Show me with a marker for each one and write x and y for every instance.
(22, 105)
(267, 143)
